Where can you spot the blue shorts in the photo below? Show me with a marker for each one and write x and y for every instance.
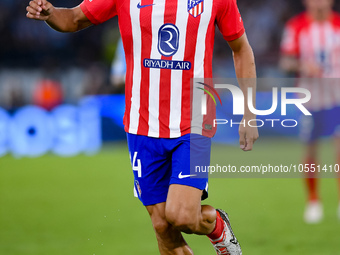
(321, 124)
(159, 162)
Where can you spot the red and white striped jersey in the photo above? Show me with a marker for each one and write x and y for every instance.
(167, 43)
(318, 43)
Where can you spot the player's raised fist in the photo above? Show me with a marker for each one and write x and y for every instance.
(39, 9)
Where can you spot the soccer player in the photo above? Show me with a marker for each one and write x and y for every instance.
(167, 43)
(311, 48)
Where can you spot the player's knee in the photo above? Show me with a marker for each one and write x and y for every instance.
(160, 225)
(183, 221)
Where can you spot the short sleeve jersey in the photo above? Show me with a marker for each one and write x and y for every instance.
(167, 43)
(319, 43)
(314, 41)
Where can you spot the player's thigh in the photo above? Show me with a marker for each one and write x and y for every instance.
(191, 151)
(311, 127)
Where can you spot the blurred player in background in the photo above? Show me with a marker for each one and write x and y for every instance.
(118, 68)
(311, 49)
(167, 43)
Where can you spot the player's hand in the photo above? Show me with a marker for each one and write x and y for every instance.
(39, 10)
(248, 136)
(310, 69)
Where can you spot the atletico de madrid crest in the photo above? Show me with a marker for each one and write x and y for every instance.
(195, 7)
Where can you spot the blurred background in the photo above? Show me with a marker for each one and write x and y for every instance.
(30, 51)
(42, 67)
(60, 91)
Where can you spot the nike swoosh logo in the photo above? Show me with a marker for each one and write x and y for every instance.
(139, 6)
(181, 176)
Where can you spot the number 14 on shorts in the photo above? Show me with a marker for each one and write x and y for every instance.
(136, 164)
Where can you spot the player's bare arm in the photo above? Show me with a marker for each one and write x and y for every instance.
(246, 73)
(60, 19)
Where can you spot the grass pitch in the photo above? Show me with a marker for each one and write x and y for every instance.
(85, 206)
